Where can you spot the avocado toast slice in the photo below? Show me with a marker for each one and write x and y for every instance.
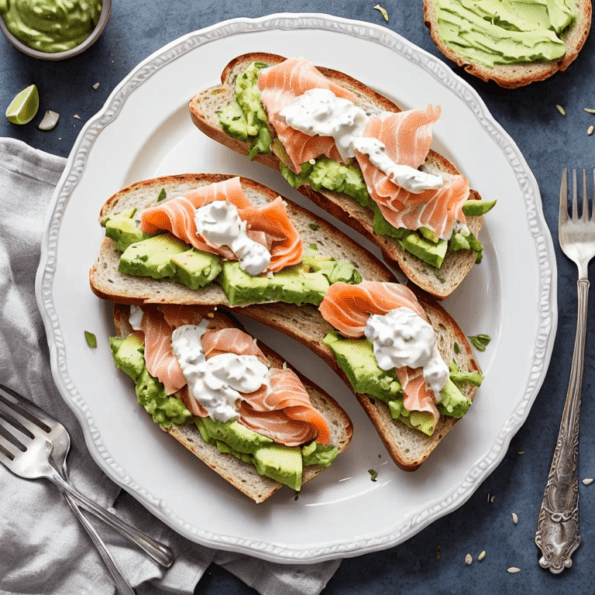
(206, 109)
(242, 457)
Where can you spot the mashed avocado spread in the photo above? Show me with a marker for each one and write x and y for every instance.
(493, 32)
(50, 25)
(282, 463)
(244, 118)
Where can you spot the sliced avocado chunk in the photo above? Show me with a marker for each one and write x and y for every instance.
(163, 409)
(122, 229)
(334, 270)
(454, 403)
(152, 257)
(420, 420)
(476, 208)
(128, 355)
(430, 252)
(283, 463)
(226, 449)
(459, 377)
(294, 285)
(233, 121)
(196, 269)
(235, 435)
(356, 358)
(316, 453)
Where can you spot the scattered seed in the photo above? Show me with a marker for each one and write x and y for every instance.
(492, 498)
(587, 481)
(76, 116)
(590, 111)
(513, 570)
(521, 452)
(96, 86)
(481, 556)
(590, 130)
(488, 497)
(515, 518)
(561, 109)
(382, 12)
(468, 559)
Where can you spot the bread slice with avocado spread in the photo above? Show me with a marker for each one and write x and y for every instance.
(262, 450)
(513, 44)
(409, 438)
(234, 114)
(134, 267)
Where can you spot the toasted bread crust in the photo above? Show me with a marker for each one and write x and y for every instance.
(512, 76)
(244, 476)
(408, 448)
(203, 109)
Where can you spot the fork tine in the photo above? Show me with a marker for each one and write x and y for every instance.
(25, 408)
(563, 210)
(574, 210)
(585, 207)
(11, 438)
(17, 418)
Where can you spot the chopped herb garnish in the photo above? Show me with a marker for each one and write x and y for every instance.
(382, 12)
(561, 109)
(480, 342)
(162, 195)
(373, 473)
(91, 339)
(315, 226)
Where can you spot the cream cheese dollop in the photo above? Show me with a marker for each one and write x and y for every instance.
(321, 112)
(401, 338)
(220, 223)
(216, 383)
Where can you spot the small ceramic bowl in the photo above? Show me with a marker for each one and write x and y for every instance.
(106, 9)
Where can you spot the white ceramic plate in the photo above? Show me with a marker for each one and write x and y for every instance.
(144, 131)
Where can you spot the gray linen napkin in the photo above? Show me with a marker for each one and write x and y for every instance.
(43, 548)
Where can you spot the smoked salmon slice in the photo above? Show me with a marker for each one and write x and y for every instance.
(348, 307)
(280, 409)
(408, 136)
(159, 357)
(279, 85)
(417, 395)
(268, 225)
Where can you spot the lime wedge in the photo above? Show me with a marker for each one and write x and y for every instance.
(24, 106)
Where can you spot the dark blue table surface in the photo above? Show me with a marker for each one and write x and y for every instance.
(434, 560)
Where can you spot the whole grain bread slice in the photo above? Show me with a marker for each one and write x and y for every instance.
(204, 108)
(110, 284)
(409, 448)
(241, 475)
(512, 76)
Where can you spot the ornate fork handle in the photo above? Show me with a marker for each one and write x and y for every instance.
(557, 533)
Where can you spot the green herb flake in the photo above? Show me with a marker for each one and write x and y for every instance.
(315, 226)
(382, 12)
(480, 342)
(313, 247)
(91, 339)
(561, 109)
(373, 473)
(162, 195)
(457, 348)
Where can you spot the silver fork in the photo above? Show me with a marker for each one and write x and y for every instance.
(557, 533)
(40, 441)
